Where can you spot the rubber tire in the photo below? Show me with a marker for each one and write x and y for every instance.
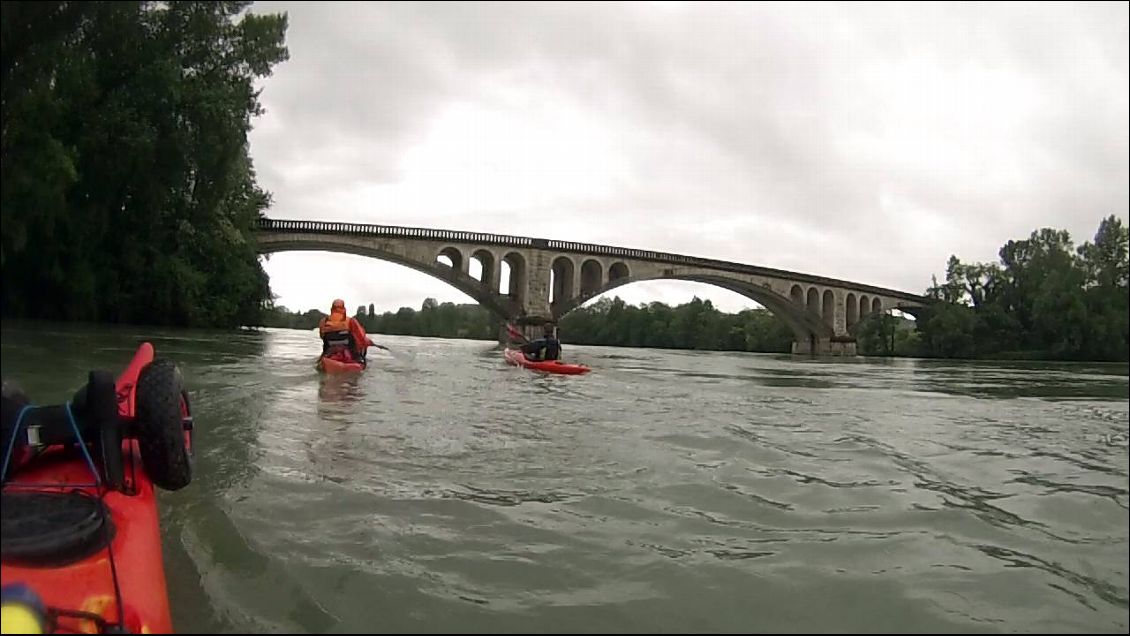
(160, 428)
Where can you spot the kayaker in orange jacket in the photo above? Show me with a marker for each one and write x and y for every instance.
(343, 338)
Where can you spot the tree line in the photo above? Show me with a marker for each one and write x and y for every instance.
(608, 321)
(694, 325)
(1044, 299)
(128, 194)
(434, 319)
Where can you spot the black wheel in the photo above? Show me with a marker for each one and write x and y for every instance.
(160, 425)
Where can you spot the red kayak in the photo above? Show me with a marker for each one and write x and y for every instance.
(329, 365)
(517, 358)
(80, 521)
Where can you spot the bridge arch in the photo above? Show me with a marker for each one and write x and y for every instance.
(805, 324)
(870, 308)
(592, 276)
(828, 308)
(497, 304)
(518, 277)
(864, 319)
(452, 254)
(562, 272)
(487, 267)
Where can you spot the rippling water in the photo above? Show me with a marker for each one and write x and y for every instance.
(666, 491)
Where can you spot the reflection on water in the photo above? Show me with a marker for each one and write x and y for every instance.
(442, 490)
(343, 387)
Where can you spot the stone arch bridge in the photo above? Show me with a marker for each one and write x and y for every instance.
(549, 278)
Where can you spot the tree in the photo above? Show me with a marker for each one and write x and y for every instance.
(875, 336)
(1107, 295)
(1045, 299)
(128, 194)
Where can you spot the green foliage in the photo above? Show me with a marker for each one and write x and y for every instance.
(128, 194)
(1044, 300)
(446, 320)
(284, 318)
(887, 335)
(694, 325)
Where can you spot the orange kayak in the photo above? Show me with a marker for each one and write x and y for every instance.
(517, 358)
(80, 521)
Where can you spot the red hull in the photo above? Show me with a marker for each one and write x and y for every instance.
(329, 365)
(516, 357)
(87, 585)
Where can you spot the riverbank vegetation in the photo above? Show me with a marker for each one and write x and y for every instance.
(128, 194)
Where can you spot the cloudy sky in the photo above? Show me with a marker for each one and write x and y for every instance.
(863, 142)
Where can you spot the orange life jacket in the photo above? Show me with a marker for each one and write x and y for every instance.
(335, 332)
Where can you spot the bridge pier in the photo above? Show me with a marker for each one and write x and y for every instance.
(837, 346)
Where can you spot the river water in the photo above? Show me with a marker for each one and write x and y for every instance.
(666, 491)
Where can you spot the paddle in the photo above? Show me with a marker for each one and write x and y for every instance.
(515, 334)
(403, 357)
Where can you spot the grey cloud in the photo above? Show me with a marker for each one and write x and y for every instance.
(751, 132)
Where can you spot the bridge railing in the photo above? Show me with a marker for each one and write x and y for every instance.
(483, 238)
(392, 231)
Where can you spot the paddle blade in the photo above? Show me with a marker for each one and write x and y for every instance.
(399, 355)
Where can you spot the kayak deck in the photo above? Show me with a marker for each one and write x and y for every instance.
(87, 585)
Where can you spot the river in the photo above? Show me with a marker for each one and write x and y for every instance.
(666, 491)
